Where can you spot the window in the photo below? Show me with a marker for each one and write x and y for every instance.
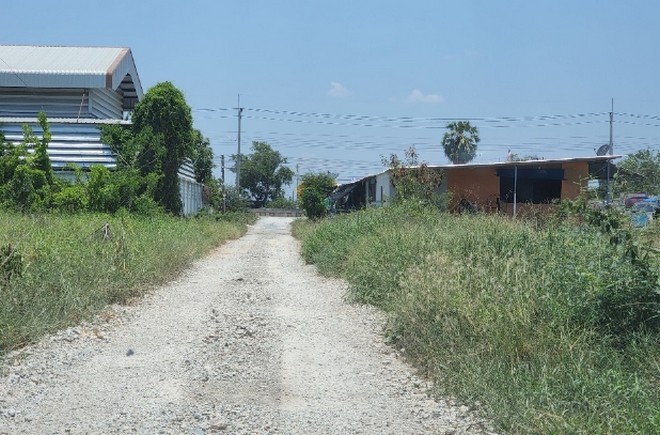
(535, 185)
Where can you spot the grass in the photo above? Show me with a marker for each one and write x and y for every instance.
(548, 328)
(70, 270)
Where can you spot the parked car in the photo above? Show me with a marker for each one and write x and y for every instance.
(633, 198)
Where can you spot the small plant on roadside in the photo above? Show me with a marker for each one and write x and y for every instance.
(11, 265)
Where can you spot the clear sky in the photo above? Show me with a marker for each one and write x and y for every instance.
(335, 85)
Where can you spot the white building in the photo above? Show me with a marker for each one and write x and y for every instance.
(79, 89)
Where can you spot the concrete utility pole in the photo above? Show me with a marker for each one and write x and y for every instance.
(297, 180)
(222, 168)
(238, 156)
(610, 150)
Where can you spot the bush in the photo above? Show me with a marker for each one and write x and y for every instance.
(28, 189)
(234, 200)
(312, 202)
(313, 192)
(71, 199)
(282, 202)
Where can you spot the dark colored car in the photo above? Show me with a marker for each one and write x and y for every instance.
(633, 198)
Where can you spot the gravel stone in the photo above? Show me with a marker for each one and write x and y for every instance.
(249, 340)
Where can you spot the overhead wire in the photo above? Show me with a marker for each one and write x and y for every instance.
(323, 141)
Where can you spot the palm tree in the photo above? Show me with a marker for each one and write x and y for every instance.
(460, 142)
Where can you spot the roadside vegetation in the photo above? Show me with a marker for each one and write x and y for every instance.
(69, 246)
(56, 270)
(552, 326)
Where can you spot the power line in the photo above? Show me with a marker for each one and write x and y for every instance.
(343, 133)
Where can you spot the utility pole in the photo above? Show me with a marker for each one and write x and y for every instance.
(238, 157)
(222, 168)
(297, 180)
(610, 150)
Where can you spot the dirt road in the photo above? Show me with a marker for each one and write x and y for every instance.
(248, 341)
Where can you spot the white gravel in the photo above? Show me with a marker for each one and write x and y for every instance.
(248, 341)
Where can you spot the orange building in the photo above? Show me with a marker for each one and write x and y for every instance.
(513, 188)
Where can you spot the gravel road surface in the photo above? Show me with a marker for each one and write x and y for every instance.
(249, 340)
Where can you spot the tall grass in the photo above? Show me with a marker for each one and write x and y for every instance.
(72, 266)
(550, 329)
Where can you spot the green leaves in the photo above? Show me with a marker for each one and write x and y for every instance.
(263, 173)
(202, 157)
(639, 172)
(162, 122)
(460, 142)
(415, 181)
(313, 191)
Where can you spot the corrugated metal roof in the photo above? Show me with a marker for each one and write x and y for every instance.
(541, 162)
(69, 67)
(33, 120)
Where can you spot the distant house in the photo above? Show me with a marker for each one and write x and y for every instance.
(508, 187)
(79, 89)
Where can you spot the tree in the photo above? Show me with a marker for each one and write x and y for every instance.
(163, 122)
(123, 144)
(460, 142)
(202, 157)
(415, 181)
(263, 173)
(312, 192)
(28, 177)
(40, 160)
(639, 173)
(233, 199)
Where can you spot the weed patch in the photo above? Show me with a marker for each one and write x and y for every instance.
(553, 328)
(58, 270)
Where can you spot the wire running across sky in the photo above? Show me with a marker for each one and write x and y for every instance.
(353, 145)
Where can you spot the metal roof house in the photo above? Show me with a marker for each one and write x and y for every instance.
(79, 89)
(511, 187)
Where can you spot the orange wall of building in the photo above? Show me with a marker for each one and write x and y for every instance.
(576, 176)
(480, 186)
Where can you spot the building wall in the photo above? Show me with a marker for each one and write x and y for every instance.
(60, 103)
(576, 177)
(479, 186)
(191, 195)
(105, 104)
(384, 188)
(78, 143)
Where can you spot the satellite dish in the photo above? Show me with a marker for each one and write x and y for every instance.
(604, 149)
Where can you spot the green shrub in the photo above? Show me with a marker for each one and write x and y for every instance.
(281, 202)
(313, 192)
(71, 199)
(312, 204)
(234, 200)
(11, 265)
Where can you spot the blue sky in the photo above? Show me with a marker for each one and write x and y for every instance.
(335, 85)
